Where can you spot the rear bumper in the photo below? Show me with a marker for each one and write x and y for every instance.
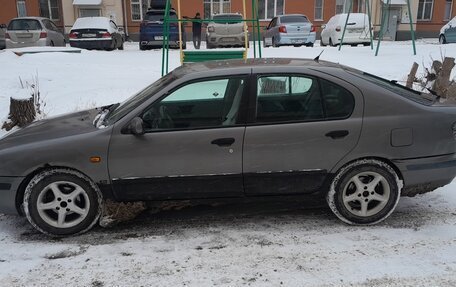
(226, 40)
(355, 40)
(297, 39)
(12, 44)
(8, 190)
(426, 174)
(92, 44)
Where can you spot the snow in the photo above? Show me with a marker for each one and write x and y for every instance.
(92, 23)
(289, 244)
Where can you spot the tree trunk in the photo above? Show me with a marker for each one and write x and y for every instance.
(443, 72)
(411, 77)
(22, 112)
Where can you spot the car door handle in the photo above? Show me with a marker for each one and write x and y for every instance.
(337, 134)
(223, 141)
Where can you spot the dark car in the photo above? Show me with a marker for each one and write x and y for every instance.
(96, 33)
(235, 129)
(2, 36)
(152, 28)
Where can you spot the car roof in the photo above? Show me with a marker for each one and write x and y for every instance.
(30, 18)
(285, 15)
(252, 63)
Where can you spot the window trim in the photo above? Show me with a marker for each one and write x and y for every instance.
(241, 113)
(24, 6)
(141, 10)
(49, 8)
(432, 11)
(322, 11)
(451, 11)
(343, 7)
(260, 17)
(211, 3)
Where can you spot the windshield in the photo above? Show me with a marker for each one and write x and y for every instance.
(294, 19)
(133, 102)
(24, 24)
(396, 88)
(227, 19)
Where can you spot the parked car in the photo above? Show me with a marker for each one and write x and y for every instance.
(236, 129)
(226, 30)
(151, 30)
(448, 32)
(290, 29)
(96, 33)
(2, 36)
(33, 31)
(357, 31)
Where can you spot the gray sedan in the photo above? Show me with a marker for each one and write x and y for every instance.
(235, 129)
(33, 31)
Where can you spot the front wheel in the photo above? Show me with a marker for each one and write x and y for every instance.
(442, 39)
(62, 202)
(364, 192)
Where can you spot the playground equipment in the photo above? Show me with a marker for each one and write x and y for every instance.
(200, 56)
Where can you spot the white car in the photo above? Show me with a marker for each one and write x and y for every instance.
(357, 31)
(448, 32)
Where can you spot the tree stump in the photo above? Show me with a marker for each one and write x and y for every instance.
(22, 112)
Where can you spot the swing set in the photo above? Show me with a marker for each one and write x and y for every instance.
(200, 56)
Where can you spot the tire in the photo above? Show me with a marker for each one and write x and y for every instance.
(142, 47)
(274, 43)
(310, 45)
(264, 43)
(366, 44)
(121, 47)
(354, 45)
(331, 43)
(60, 202)
(442, 39)
(322, 44)
(364, 192)
(51, 44)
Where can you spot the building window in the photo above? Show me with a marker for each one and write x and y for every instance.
(89, 12)
(213, 7)
(138, 9)
(448, 8)
(425, 9)
(341, 6)
(268, 9)
(49, 9)
(319, 9)
(21, 9)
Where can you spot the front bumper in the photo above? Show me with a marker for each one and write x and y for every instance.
(423, 175)
(8, 190)
(297, 39)
(226, 40)
(92, 44)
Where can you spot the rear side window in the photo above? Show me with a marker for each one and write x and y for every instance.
(338, 102)
(288, 98)
(294, 19)
(24, 24)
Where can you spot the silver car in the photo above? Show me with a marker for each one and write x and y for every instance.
(33, 31)
(235, 129)
(227, 30)
(290, 29)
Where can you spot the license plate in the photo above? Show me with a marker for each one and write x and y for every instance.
(158, 37)
(24, 35)
(298, 41)
(89, 35)
(227, 40)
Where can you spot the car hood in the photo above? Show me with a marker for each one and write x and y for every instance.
(58, 127)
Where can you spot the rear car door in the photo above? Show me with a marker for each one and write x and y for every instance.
(192, 147)
(303, 124)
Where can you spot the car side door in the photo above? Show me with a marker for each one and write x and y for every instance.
(450, 32)
(270, 31)
(191, 148)
(115, 33)
(60, 38)
(300, 127)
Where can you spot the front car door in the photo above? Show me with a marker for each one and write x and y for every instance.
(192, 146)
(303, 124)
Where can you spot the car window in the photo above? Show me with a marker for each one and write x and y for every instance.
(24, 24)
(113, 25)
(288, 98)
(54, 27)
(47, 24)
(230, 19)
(211, 103)
(338, 102)
(294, 19)
(159, 16)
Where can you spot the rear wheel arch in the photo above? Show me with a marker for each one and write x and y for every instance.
(382, 159)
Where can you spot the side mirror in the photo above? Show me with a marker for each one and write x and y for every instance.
(135, 127)
(120, 29)
(323, 26)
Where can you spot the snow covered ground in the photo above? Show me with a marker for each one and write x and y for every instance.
(278, 244)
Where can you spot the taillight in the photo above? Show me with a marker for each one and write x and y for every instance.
(106, 35)
(312, 28)
(211, 29)
(43, 34)
(338, 29)
(73, 35)
(7, 36)
(282, 29)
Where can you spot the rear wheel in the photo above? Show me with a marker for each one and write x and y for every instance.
(62, 202)
(142, 47)
(322, 43)
(51, 44)
(274, 43)
(121, 47)
(364, 192)
(331, 43)
(366, 44)
(442, 39)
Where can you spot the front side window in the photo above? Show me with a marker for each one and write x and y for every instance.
(288, 98)
(448, 8)
(214, 7)
(138, 9)
(425, 10)
(49, 9)
(21, 8)
(205, 104)
(319, 9)
(268, 9)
